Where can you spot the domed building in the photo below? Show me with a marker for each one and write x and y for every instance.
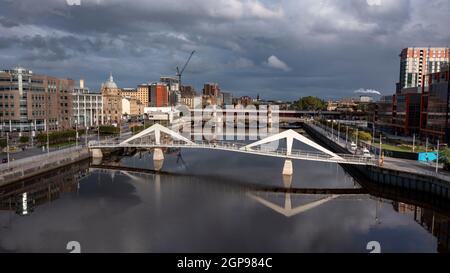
(112, 102)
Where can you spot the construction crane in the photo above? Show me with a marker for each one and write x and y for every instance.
(179, 73)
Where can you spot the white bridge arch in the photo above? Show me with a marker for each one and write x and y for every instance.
(176, 140)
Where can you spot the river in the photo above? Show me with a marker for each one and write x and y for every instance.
(210, 201)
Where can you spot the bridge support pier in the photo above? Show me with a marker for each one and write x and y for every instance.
(158, 158)
(288, 170)
(96, 153)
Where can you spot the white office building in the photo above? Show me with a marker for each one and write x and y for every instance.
(87, 107)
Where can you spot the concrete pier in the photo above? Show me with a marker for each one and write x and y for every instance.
(158, 158)
(96, 153)
(288, 170)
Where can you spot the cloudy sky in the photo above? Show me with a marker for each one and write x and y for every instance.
(281, 49)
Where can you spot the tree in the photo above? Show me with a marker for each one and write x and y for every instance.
(444, 158)
(24, 139)
(365, 136)
(309, 103)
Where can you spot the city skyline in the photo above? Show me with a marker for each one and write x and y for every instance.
(248, 47)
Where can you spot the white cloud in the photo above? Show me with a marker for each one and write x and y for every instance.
(367, 91)
(274, 62)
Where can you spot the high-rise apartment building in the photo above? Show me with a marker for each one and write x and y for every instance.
(211, 89)
(159, 95)
(143, 94)
(435, 113)
(415, 62)
(173, 86)
(31, 102)
(112, 102)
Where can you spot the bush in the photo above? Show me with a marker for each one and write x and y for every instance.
(137, 129)
(24, 139)
(57, 137)
(444, 157)
(3, 143)
(109, 130)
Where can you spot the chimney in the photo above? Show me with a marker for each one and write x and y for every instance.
(81, 83)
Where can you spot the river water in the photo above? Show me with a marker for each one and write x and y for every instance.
(210, 201)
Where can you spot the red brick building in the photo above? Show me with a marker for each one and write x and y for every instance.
(159, 95)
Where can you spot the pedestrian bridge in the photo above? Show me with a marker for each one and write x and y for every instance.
(158, 136)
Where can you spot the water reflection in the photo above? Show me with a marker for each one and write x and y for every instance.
(132, 210)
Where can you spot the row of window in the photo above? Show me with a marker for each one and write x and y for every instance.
(75, 105)
(7, 114)
(6, 105)
(6, 96)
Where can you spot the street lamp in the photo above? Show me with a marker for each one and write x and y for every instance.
(76, 132)
(48, 142)
(7, 147)
(357, 133)
(437, 156)
(339, 132)
(346, 135)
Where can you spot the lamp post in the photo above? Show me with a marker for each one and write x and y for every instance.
(7, 147)
(76, 132)
(373, 129)
(48, 142)
(339, 132)
(437, 156)
(346, 135)
(379, 155)
(332, 132)
(357, 133)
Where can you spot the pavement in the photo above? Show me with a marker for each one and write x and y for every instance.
(37, 150)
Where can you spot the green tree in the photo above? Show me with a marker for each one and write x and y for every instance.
(3, 143)
(362, 135)
(444, 158)
(24, 139)
(309, 103)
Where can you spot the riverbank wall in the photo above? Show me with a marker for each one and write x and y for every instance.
(35, 165)
(386, 176)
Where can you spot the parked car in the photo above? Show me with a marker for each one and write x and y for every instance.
(366, 153)
(4, 160)
(353, 146)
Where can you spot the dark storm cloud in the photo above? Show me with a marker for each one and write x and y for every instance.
(280, 49)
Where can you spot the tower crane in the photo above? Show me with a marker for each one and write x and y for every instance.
(180, 72)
